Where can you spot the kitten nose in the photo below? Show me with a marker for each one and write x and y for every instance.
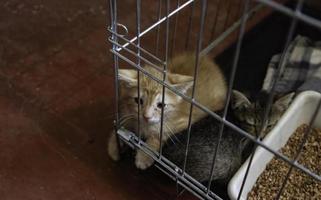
(146, 118)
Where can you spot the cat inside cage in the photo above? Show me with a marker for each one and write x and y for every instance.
(202, 84)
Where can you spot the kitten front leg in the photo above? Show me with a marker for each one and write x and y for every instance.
(113, 150)
(142, 160)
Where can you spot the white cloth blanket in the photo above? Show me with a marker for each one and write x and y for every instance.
(302, 70)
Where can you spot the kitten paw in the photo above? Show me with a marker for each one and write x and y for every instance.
(143, 161)
(112, 148)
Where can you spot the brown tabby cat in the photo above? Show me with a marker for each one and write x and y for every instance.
(210, 92)
(251, 114)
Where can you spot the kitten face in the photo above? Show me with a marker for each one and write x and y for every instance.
(251, 115)
(150, 98)
(151, 105)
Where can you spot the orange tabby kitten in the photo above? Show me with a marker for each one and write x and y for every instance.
(210, 92)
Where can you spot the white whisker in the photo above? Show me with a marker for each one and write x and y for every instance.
(172, 133)
(124, 117)
(170, 138)
(126, 120)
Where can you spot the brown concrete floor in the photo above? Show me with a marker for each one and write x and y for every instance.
(56, 89)
(56, 93)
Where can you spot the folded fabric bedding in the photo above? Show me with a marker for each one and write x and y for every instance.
(301, 68)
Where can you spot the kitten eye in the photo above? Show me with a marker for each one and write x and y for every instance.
(160, 105)
(140, 100)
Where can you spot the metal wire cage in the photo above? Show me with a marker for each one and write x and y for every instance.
(165, 28)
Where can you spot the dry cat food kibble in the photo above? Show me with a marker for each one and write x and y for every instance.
(299, 185)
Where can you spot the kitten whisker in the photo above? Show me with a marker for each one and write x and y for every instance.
(170, 138)
(172, 133)
(126, 120)
(123, 116)
(126, 115)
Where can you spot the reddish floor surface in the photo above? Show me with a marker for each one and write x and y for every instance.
(56, 107)
(56, 102)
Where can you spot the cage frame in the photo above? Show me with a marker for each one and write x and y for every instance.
(134, 140)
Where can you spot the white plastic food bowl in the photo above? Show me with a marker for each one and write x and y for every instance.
(300, 112)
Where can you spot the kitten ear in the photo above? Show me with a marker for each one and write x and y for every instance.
(128, 76)
(180, 82)
(239, 100)
(283, 103)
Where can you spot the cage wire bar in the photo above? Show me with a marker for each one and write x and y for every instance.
(166, 166)
(113, 19)
(173, 41)
(189, 25)
(197, 56)
(164, 78)
(138, 14)
(230, 86)
(159, 14)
